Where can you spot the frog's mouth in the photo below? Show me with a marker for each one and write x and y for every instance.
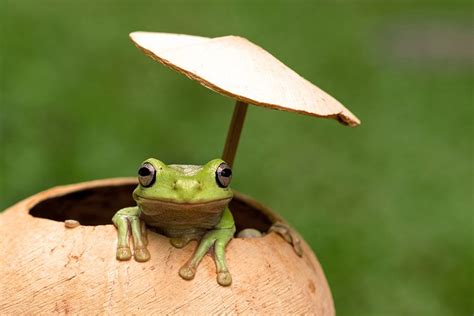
(161, 213)
(143, 200)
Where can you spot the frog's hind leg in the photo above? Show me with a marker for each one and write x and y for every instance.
(127, 221)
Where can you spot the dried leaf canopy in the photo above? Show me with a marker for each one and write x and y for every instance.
(235, 67)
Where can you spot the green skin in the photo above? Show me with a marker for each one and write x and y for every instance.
(181, 186)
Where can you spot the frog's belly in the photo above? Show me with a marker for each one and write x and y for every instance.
(175, 219)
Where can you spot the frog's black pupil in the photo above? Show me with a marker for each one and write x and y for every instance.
(226, 172)
(144, 171)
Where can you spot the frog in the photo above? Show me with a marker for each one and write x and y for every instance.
(186, 203)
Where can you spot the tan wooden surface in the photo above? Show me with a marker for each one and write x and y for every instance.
(48, 268)
(236, 67)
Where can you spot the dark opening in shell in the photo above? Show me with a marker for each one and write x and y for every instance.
(97, 206)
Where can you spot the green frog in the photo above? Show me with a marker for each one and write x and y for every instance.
(184, 202)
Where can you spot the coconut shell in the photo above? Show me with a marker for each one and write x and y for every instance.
(46, 267)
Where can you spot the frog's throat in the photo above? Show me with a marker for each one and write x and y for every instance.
(181, 216)
(141, 200)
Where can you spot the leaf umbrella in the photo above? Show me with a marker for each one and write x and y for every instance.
(237, 68)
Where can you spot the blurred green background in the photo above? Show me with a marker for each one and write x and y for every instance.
(387, 207)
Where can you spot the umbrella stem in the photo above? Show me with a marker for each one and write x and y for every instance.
(233, 135)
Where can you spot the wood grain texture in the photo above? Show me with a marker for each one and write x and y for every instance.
(47, 268)
(235, 67)
(233, 135)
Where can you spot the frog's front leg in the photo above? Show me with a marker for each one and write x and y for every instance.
(126, 220)
(219, 237)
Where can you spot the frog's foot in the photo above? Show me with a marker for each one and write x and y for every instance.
(180, 242)
(285, 231)
(123, 253)
(141, 254)
(224, 278)
(187, 271)
(217, 238)
(128, 222)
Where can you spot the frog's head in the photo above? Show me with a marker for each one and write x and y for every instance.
(178, 187)
(183, 183)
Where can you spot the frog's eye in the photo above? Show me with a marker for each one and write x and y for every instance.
(146, 174)
(223, 175)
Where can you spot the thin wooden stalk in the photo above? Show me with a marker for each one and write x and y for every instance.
(233, 135)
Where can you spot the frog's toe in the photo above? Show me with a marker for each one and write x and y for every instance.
(285, 231)
(141, 254)
(224, 278)
(187, 272)
(123, 253)
(297, 247)
(179, 242)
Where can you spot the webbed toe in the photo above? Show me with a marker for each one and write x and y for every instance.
(141, 254)
(289, 235)
(224, 278)
(123, 253)
(187, 272)
(179, 242)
